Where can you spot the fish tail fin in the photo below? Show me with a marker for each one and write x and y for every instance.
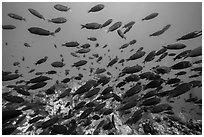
(82, 26)
(24, 19)
(178, 39)
(164, 47)
(125, 38)
(48, 20)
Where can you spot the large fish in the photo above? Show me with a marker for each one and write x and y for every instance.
(96, 8)
(114, 26)
(108, 22)
(60, 7)
(99, 71)
(190, 35)
(91, 26)
(151, 16)
(41, 31)
(8, 27)
(36, 13)
(15, 16)
(183, 54)
(180, 89)
(59, 20)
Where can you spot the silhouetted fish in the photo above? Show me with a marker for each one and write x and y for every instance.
(15, 16)
(36, 13)
(8, 27)
(151, 16)
(60, 7)
(96, 8)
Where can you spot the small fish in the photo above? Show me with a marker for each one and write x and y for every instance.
(112, 62)
(37, 86)
(108, 22)
(160, 32)
(104, 46)
(137, 55)
(130, 24)
(15, 16)
(175, 46)
(115, 26)
(74, 54)
(49, 122)
(181, 65)
(82, 51)
(127, 29)
(79, 63)
(92, 38)
(121, 34)
(64, 93)
(13, 99)
(60, 7)
(194, 76)
(161, 51)
(57, 64)
(27, 45)
(132, 91)
(16, 63)
(71, 44)
(40, 31)
(183, 54)
(133, 69)
(197, 62)
(10, 77)
(132, 78)
(8, 27)
(181, 73)
(91, 26)
(92, 93)
(180, 89)
(151, 16)
(150, 56)
(151, 101)
(38, 79)
(124, 46)
(196, 52)
(36, 13)
(96, 8)
(190, 35)
(99, 71)
(42, 60)
(57, 30)
(58, 20)
(132, 42)
(162, 56)
(172, 81)
(86, 113)
(171, 54)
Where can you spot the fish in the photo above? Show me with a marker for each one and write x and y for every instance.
(114, 26)
(92, 92)
(129, 24)
(49, 122)
(104, 80)
(96, 8)
(107, 90)
(197, 62)
(56, 31)
(71, 44)
(180, 73)
(132, 42)
(121, 34)
(91, 26)
(84, 88)
(58, 20)
(181, 65)
(150, 56)
(8, 27)
(153, 84)
(180, 89)
(112, 62)
(127, 29)
(14, 99)
(104, 46)
(65, 93)
(87, 45)
(51, 72)
(60, 7)
(86, 113)
(197, 69)
(171, 54)
(151, 101)
(27, 45)
(175, 46)
(57, 64)
(10, 77)
(16, 63)
(108, 22)
(120, 84)
(83, 50)
(162, 70)
(17, 17)
(137, 55)
(161, 51)
(80, 63)
(59, 129)
(96, 117)
(135, 117)
(194, 76)
(99, 106)
(162, 56)
(35, 119)
(150, 16)
(183, 54)
(99, 71)
(74, 54)
(80, 105)
(132, 78)
(196, 52)
(190, 35)
(172, 81)
(41, 31)
(124, 46)
(160, 32)
(38, 79)
(21, 91)
(37, 85)
(92, 38)
(133, 69)
(128, 105)
(42, 60)
(36, 13)
(134, 90)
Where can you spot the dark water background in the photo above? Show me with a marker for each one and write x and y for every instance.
(183, 17)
